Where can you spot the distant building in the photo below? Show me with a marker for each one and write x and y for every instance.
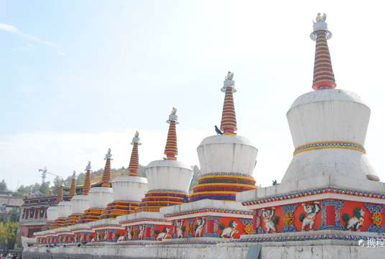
(9, 202)
(33, 214)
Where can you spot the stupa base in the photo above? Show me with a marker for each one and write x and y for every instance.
(222, 186)
(145, 226)
(91, 215)
(120, 208)
(59, 222)
(73, 219)
(224, 220)
(156, 199)
(342, 210)
(107, 230)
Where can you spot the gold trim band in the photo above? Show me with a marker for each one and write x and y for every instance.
(330, 144)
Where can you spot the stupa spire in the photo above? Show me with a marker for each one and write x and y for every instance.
(134, 161)
(73, 186)
(87, 180)
(60, 194)
(106, 180)
(323, 76)
(229, 120)
(171, 150)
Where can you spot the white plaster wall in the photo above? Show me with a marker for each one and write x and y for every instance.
(100, 197)
(129, 188)
(80, 203)
(168, 175)
(52, 213)
(278, 250)
(102, 222)
(64, 209)
(343, 162)
(140, 215)
(203, 204)
(227, 154)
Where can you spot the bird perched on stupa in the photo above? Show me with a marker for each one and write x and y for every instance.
(218, 131)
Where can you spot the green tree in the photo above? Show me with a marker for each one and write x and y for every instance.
(23, 190)
(8, 234)
(56, 184)
(81, 178)
(3, 186)
(44, 188)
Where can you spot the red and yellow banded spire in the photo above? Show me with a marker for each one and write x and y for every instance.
(171, 150)
(60, 194)
(323, 76)
(106, 179)
(73, 186)
(229, 119)
(87, 180)
(134, 161)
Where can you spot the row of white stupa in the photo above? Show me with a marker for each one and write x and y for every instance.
(217, 154)
(328, 128)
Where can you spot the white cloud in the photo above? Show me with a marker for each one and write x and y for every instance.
(9, 28)
(29, 37)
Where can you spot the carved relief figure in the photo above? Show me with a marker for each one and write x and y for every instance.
(162, 235)
(141, 232)
(230, 230)
(308, 217)
(270, 220)
(121, 239)
(199, 227)
(128, 233)
(179, 228)
(356, 221)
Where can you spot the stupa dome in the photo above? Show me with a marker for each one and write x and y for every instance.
(52, 213)
(227, 154)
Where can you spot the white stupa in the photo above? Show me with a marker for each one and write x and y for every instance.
(227, 160)
(168, 178)
(52, 214)
(128, 189)
(101, 196)
(80, 203)
(328, 127)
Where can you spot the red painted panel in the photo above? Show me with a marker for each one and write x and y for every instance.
(330, 215)
(210, 226)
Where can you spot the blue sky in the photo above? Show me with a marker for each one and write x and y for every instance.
(78, 77)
